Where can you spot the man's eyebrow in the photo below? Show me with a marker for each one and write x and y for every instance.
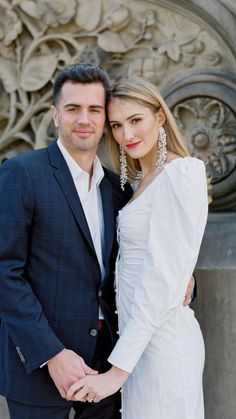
(96, 106)
(130, 117)
(76, 105)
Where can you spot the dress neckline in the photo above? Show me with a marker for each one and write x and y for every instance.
(153, 181)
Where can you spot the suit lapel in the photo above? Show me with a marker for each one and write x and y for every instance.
(108, 214)
(66, 183)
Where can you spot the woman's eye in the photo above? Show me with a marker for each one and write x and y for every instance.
(135, 120)
(115, 126)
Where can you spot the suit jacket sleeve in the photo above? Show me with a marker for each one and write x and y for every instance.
(20, 309)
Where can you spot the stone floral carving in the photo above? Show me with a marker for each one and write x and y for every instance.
(88, 14)
(209, 127)
(117, 18)
(38, 37)
(52, 13)
(10, 27)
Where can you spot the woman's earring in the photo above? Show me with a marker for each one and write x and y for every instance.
(162, 147)
(123, 168)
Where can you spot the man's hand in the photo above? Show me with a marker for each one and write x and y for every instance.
(66, 368)
(189, 292)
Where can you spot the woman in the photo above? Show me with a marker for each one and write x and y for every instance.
(159, 356)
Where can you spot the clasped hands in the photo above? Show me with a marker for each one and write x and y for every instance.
(95, 388)
(76, 381)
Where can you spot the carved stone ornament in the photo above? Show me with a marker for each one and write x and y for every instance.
(203, 103)
(144, 38)
(209, 128)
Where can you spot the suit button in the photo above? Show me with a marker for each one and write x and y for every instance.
(93, 332)
(100, 293)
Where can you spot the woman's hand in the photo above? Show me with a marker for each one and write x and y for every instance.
(189, 292)
(94, 389)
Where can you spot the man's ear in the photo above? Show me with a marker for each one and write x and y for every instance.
(55, 115)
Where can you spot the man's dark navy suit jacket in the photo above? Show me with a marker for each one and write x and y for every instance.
(49, 273)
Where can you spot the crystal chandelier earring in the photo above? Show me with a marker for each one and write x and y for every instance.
(162, 147)
(123, 168)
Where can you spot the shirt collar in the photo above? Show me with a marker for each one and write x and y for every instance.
(76, 170)
(98, 173)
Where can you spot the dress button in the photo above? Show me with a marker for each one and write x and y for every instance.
(93, 332)
(100, 293)
(116, 312)
(117, 332)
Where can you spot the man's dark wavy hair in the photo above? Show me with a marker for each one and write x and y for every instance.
(80, 73)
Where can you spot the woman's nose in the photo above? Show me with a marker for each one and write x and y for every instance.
(128, 133)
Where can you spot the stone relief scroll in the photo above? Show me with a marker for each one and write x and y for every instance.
(38, 37)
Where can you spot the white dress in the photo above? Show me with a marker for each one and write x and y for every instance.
(160, 341)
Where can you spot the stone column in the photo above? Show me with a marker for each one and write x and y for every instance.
(215, 309)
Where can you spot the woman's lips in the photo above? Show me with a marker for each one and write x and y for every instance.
(133, 145)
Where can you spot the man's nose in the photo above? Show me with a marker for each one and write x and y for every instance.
(83, 117)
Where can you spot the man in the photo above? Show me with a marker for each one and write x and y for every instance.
(57, 253)
(57, 250)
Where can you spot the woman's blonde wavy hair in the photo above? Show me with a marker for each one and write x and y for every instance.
(146, 94)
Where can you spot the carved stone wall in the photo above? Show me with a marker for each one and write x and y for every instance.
(183, 47)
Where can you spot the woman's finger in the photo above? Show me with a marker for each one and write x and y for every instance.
(90, 397)
(97, 399)
(75, 387)
(81, 395)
